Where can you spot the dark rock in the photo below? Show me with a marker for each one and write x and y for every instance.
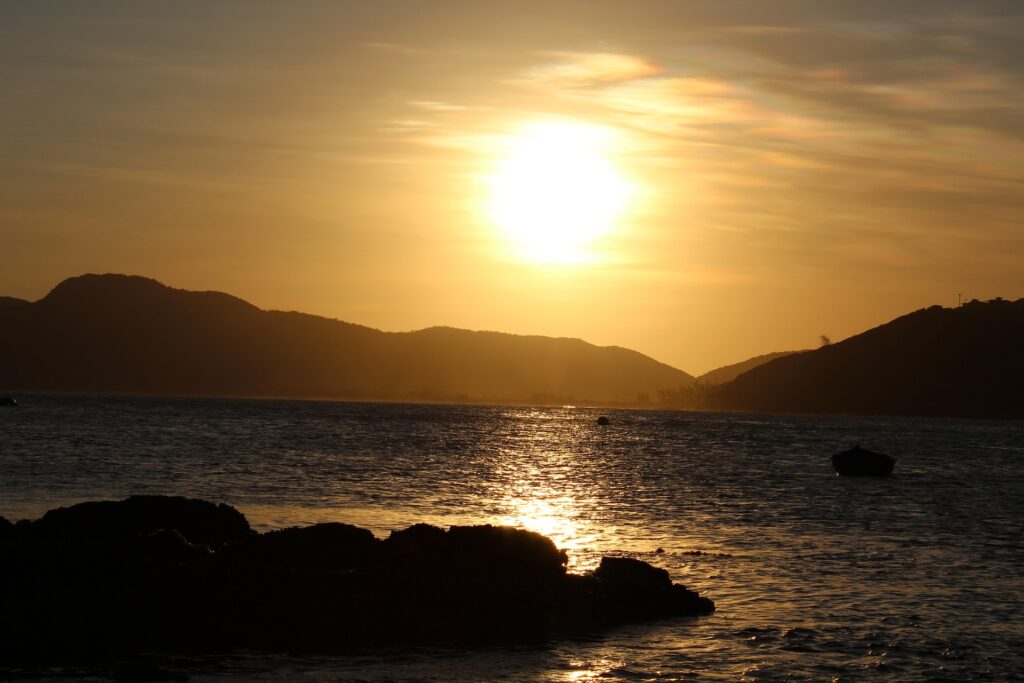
(470, 585)
(108, 581)
(503, 551)
(635, 588)
(420, 542)
(167, 546)
(6, 534)
(639, 592)
(625, 570)
(860, 462)
(330, 546)
(197, 520)
(494, 550)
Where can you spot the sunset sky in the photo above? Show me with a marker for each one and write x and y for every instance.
(699, 181)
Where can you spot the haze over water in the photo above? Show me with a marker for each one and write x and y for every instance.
(916, 577)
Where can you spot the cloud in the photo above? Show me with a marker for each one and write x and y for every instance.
(439, 107)
(675, 105)
(585, 69)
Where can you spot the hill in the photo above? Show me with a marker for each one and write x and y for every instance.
(132, 335)
(963, 362)
(6, 301)
(728, 373)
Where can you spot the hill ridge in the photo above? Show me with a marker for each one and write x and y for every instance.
(115, 333)
(957, 362)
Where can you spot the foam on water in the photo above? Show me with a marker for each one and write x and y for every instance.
(919, 576)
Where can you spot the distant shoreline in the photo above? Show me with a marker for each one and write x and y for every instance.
(509, 404)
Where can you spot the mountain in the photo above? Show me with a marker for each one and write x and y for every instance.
(962, 362)
(133, 335)
(7, 301)
(728, 373)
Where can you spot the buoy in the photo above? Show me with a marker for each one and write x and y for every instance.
(602, 420)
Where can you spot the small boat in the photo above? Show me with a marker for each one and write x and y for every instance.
(860, 462)
(602, 420)
(7, 401)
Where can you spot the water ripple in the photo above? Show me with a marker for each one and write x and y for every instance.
(916, 577)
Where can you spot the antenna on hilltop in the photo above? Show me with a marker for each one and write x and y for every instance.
(959, 299)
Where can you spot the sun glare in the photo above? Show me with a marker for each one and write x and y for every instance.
(555, 191)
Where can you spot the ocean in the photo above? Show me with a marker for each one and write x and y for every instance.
(915, 577)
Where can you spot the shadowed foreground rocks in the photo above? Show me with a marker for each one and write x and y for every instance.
(109, 580)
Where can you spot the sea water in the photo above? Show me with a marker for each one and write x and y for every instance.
(918, 576)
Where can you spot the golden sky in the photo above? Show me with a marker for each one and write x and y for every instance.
(737, 177)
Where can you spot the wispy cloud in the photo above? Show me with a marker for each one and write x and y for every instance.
(585, 69)
(440, 107)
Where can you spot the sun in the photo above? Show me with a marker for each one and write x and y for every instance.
(555, 190)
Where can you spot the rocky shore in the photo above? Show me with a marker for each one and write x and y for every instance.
(109, 580)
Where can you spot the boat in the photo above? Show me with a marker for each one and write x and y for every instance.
(7, 401)
(860, 462)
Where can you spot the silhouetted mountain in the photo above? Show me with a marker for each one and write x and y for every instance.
(132, 335)
(965, 362)
(7, 301)
(728, 373)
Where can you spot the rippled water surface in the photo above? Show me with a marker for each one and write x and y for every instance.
(919, 576)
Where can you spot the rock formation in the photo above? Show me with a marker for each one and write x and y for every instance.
(103, 581)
